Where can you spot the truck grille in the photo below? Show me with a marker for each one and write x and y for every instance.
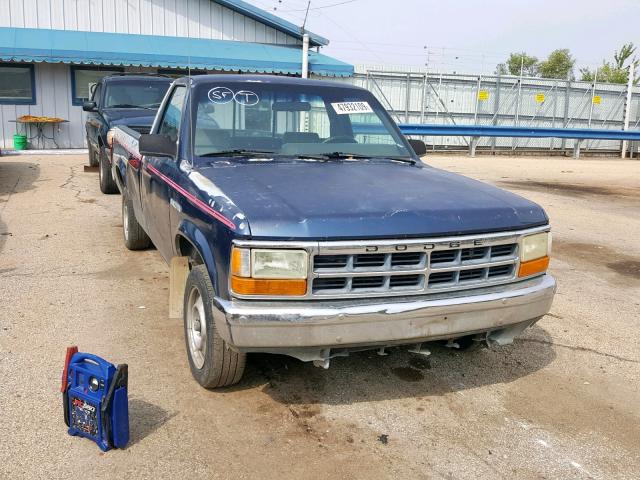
(418, 268)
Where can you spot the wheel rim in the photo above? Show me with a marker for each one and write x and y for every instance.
(125, 220)
(100, 170)
(196, 328)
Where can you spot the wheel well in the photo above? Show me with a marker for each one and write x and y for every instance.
(186, 249)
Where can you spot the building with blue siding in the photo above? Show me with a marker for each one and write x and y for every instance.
(52, 51)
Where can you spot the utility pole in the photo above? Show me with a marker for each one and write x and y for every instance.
(627, 107)
(305, 45)
(306, 15)
(305, 55)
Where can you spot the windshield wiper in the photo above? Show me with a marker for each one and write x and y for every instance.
(238, 152)
(128, 105)
(347, 156)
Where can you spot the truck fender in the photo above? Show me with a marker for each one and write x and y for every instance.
(196, 239)
(190, 236)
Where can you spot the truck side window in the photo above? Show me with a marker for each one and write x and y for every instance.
(170, 124)
(95, 97)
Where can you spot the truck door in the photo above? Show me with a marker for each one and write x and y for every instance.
(159, 173)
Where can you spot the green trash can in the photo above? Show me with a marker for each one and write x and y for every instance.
(19, 142)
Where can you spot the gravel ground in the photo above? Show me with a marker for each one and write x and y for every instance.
(562, 402)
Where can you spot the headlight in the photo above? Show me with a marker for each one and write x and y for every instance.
(278, 264)
(534, 254)
(269, 272)
(535, 246)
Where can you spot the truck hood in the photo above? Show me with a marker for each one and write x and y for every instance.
(136, 117)
(365, 199)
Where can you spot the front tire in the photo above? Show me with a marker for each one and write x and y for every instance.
(107, 184)
(212, 361)
(135, 238)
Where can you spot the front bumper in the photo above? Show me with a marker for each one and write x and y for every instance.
(307, 330)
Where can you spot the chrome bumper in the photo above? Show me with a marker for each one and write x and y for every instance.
(303, 329)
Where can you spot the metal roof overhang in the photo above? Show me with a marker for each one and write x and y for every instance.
(97, 48)
(274, 21)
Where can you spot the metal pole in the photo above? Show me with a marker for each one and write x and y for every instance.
(407, 103)
(565, 122)
(475, 113)
(519, 90)
(424, 97)
(593, 95)
(518, 99)
(437, 110)
(555, 113)
(305, 56)
(627, 108)
(496, 108)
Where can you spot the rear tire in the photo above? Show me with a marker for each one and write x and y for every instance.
(212, 361)
(135, 238)
(107, 184)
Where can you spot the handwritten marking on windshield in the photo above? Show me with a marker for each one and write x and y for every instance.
(222, 95)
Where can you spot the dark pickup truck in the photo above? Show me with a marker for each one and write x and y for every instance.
(298, 220)
(121, 99)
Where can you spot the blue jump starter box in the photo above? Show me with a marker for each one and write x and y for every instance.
(95, 401)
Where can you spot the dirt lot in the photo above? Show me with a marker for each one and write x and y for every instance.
(562, 402)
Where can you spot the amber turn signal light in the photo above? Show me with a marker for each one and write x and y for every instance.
(253, 286)
(532, 267)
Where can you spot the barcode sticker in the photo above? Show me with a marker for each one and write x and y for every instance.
(346, 108)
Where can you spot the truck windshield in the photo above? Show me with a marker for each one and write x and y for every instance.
(293, 120)
(135, 94)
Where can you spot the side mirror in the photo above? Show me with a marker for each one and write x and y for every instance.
(89, 106)
(156, 146)
(418, 146)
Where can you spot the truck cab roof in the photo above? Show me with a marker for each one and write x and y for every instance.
(264, 79)
(127, 77)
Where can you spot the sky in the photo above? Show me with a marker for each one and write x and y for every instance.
(465, 36)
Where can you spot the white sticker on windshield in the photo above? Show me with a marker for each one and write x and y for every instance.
(346, 108)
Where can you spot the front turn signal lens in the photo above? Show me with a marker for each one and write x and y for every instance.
(241, 262)
(275, 287)
(533, 267)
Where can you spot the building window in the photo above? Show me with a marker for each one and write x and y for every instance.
(17, 84)
(83, 79)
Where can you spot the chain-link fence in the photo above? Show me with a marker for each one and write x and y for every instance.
(415, 97)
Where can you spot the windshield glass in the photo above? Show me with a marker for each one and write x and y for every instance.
(292, 120)
(135, 94)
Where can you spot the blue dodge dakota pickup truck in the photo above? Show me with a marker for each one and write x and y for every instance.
(298, 220)
(120, 99)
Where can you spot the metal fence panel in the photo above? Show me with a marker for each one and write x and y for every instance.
(418, 97)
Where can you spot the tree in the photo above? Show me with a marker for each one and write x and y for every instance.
(515, 62)
(559, 64)
(616, 71)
